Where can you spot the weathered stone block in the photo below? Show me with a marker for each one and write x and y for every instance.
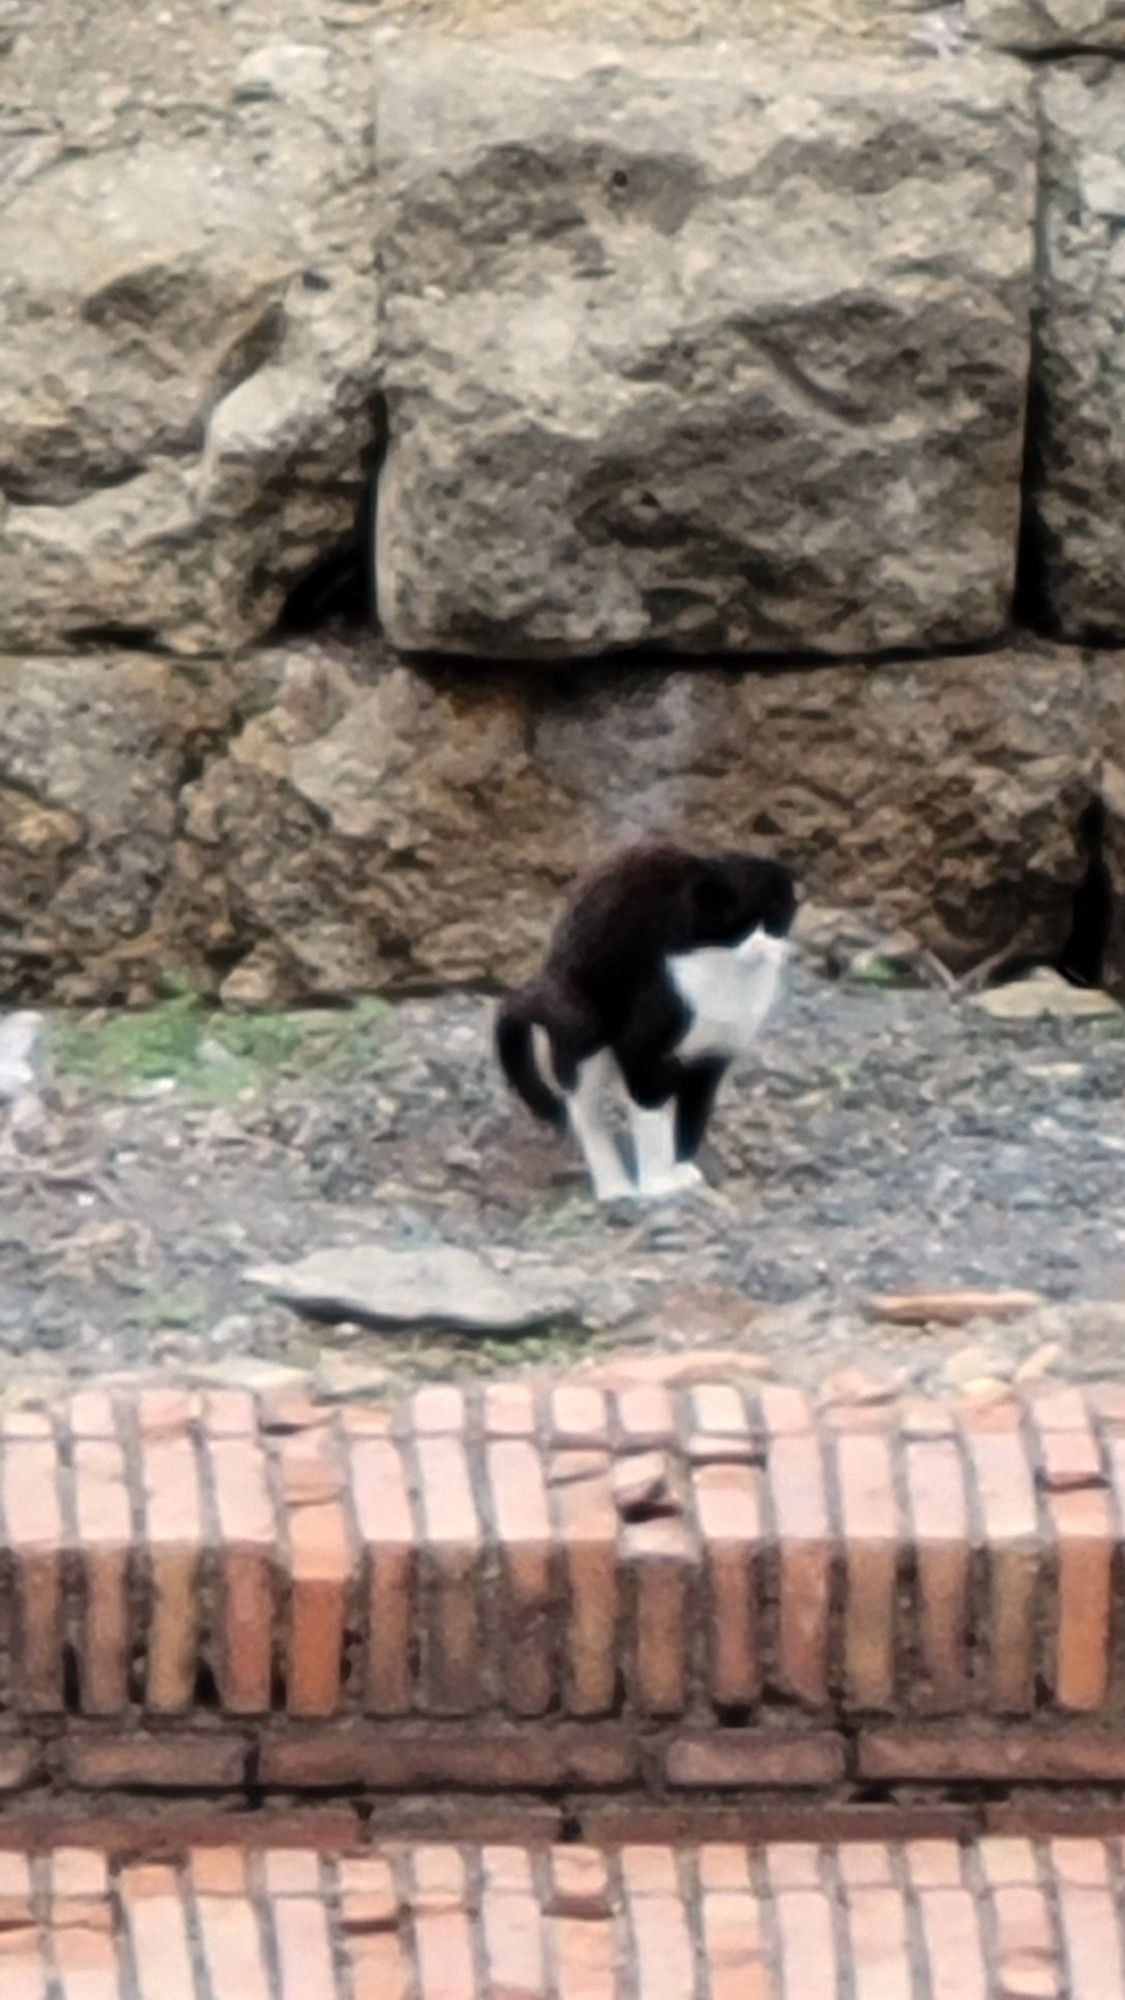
(1079, 490)
(187, 295)
(1041, 25)
(375, 827)
(715, 350)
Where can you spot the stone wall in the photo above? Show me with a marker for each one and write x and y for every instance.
(797, 357)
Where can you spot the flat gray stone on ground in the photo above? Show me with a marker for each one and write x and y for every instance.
(1080, 476)
(439, 1285)
(710, 348)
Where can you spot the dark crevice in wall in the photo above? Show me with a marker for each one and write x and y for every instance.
(339, 590)
(1031, 604)
(1083, 956)
(116, 638)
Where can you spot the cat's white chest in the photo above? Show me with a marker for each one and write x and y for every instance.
(729, 990)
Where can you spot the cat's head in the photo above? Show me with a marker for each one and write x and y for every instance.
(738, 896)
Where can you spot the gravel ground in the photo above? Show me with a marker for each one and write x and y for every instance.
(887, 1138)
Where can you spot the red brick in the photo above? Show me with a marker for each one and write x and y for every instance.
(579, 1414)
(369, 1916)
(728, 1508)
(454, 1663)
(304, 1949)
(808, 1946)
(1093, 1942)
(229, 1413)
(954, 1307)
(1083, 1528)
(156, 1923)
(718, 1407)
(588, 1531)
(174, 1540)
(646, 1414)
(936, 1488)
(442, 1934)
(386, 1529)
(879, 1943)
(934, 1864)
(78, 1871)
(1007, 1501)
(321, 1568)
(1004, 1861)
(1025, 1953)
(662, 1946)
(512, 1925)
(865, 1864)
(1086, 1863)
(86, 1966)
(249, 1539)
(585, 1952)
(786, 1411)
(105, 1529)
(90, 1414)
(870, 1520)
(438, 1409)
(292, 1871)
(233, 1948)
(162, 1763)
(960, 1751)
(721, 1865)
(795, 1866)
(519, 1504)
(954, 1945)
(733, 1943)
(796, 1480)
(510, 1410)
(33, 1514)
(580, 1885)
(21, 1762)
(489, 1760)
(660, 1554)
(729, 1757)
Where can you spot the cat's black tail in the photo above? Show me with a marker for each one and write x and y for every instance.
(516, 1022)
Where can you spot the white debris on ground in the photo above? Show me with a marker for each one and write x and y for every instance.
(21, 1057)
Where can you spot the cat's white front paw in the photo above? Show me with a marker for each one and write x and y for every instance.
(614, 1188)
(680, 1179)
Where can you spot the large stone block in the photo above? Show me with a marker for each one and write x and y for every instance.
(1039, 26)
(1079, 468)
(94, 753)
(704, 348)
(374, 826)
(187, 294)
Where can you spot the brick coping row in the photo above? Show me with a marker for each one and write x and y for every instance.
(551, 1586)
(916, 1921)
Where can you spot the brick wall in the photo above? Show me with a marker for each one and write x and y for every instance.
(704, 1593)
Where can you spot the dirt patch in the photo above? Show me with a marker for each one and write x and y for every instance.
(885, 1138)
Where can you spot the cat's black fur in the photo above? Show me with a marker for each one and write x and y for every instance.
(606, 983)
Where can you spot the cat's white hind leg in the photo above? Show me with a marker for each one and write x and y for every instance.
(654, 1141)
(586, 1113)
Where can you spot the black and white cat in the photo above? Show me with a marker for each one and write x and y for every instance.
(659, 975)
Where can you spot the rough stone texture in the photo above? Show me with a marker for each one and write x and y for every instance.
(1110, 729)
(376, 826)
(722, 352)
(187, 293)
(93, 754)
(1042, 25)
(1080, 474)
